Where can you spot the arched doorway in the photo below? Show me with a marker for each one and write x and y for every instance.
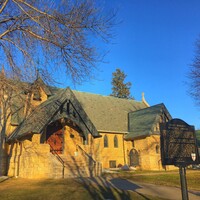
(63, 138)
(134, 157)
(54, 137)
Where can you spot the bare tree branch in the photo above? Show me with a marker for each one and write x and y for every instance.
(3, 6)
(194, 75)
(58, 34)
(52, 36)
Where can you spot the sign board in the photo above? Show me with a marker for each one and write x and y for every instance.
(178, 143)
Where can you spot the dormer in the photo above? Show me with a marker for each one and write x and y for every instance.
(40, 91)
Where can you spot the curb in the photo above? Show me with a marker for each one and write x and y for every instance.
(3, 178)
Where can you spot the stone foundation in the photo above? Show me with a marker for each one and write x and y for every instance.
(3, 164)
(30, 159)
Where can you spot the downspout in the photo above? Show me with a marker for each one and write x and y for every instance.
(19, 156)
(17, 159)
(124, 150)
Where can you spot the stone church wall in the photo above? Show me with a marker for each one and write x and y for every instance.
(111, 156)
(31, 159)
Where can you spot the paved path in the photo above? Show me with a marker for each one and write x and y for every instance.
(3, 178)
(171, 193)
(165, 192)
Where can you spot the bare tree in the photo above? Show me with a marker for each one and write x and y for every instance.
(56, 34)
(194, 75)
(9, 92)
(51, 35)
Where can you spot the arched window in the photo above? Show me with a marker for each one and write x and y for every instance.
(105, 140)
(134, 157)
(115, 142)
(157, 149)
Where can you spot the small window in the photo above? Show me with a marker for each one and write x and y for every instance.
(37, 96)
(105, 140)
(157, 149)
(115, 142)
(112, 164)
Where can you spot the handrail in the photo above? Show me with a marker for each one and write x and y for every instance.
(59, 159)
(96, 164)
(57, 155)
(89, 156)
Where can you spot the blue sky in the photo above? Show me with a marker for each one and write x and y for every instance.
(154, 46)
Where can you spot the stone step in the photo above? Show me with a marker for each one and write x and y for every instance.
(74, 160)
(75, 163)
(75, 166)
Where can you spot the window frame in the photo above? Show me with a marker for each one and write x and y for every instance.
(115, 140)
(105, 141)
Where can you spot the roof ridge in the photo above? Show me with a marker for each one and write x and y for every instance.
(107, 96)
(150, 107)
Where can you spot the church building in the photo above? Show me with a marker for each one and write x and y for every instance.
(71, 133)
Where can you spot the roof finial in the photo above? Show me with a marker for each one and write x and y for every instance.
(144, 101)
(37, 73)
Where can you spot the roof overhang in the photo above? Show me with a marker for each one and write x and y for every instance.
(62, 105)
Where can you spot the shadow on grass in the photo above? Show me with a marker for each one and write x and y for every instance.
(76, 161)
(72, 189)
(100, 188)
(126, 185)
(114, 188)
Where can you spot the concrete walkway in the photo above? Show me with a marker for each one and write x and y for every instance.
(165, 192)
(171, 193)
(3, 178)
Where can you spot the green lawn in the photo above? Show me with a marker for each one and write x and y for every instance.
(24, 189)
(53, 189)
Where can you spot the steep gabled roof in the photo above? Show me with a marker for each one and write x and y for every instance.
(39, 82)
(62, 105)
(106, 112)
(142, 122)
(94, 112)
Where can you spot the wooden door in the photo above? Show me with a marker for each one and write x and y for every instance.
(134, 158)
(55, 141)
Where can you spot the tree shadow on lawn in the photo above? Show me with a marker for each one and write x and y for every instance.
(98, 188)
(115, 188)
(126, 185)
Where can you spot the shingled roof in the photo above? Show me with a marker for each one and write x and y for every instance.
(97, 113)
(106, 112)
(40, 83)
(142, 122)
(62, 105)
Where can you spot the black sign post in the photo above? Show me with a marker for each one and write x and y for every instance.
(183, 180)
(179, 148)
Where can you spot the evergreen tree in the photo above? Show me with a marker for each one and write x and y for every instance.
(198, 137)
(120, 89)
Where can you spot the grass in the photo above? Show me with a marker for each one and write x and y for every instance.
(23, 189)
(53, 189)
(168, 178)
